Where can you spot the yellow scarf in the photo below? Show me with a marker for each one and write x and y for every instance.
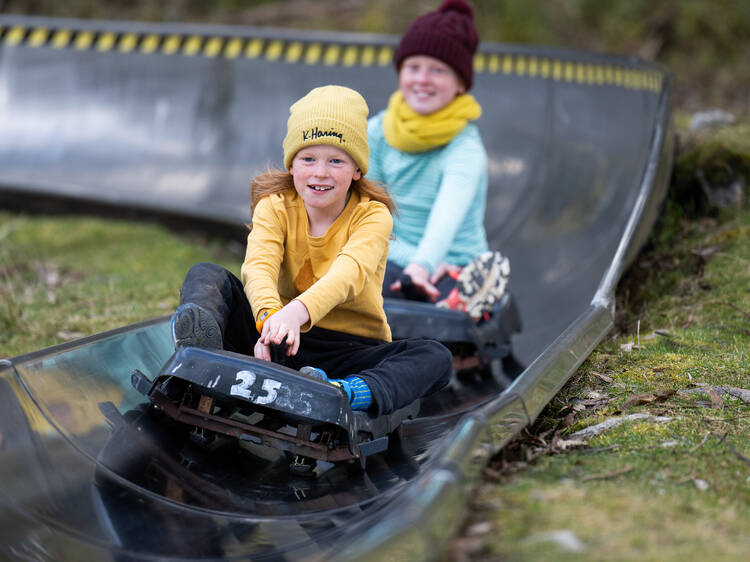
(408, 131)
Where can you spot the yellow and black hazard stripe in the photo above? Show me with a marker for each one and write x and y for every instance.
(598, 74)
(322, 53)
(312, 52)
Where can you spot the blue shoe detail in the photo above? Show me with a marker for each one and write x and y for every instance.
(356, 389)
(344, 385)
(314, 372)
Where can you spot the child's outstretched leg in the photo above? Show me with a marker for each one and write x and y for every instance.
(396, 373)
(401, 371)
(213, 312)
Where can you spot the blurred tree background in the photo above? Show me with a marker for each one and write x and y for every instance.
(701, 41)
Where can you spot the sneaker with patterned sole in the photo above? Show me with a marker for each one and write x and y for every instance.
(194, 326)
(480, 285)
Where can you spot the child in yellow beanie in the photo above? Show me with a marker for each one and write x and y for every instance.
(314, 268)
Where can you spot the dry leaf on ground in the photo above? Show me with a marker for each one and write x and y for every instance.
(606, 475)
(647, 398)
(638, 399)
(716, 402)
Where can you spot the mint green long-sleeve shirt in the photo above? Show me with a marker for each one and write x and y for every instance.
(440, 197)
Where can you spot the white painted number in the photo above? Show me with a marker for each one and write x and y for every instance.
(270, 386)
(243, 388)
(245, 381)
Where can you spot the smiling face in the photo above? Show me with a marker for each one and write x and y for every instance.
(322, 176)
(428, 84)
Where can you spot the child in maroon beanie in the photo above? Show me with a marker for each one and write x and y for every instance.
(426, 150)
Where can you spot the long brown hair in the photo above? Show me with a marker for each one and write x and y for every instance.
(275, 181)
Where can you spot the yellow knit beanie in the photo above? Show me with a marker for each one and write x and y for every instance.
(332, 115)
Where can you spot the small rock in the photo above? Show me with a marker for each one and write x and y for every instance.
(593, 430)
(565, 539)
(701, 484)
(69, 335)
(479, 529)
(710, 118)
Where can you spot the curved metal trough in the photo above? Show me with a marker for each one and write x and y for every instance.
(176, 119)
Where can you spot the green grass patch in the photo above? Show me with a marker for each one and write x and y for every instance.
(646, 514)
(675, 489)
(63, 278)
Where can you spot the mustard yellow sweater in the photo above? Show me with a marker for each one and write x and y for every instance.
(337, 276)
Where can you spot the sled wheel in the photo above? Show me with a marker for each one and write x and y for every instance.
(202, 437)
(301, 465)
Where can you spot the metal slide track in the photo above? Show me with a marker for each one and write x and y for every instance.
(176, 119)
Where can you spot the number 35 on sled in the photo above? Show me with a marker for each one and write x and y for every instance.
(220, 392)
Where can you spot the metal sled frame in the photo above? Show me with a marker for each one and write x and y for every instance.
(195, 382)
(490, 340)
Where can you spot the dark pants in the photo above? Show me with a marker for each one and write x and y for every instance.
(393, 273)
(397, 372)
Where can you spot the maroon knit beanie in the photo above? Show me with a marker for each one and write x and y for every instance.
(448, 35)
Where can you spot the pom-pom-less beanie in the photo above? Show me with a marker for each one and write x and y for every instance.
(332, 115)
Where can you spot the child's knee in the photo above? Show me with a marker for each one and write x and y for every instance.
(441, 360)
(205, 268)
(206, 274)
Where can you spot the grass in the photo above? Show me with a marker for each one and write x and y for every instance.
(65, 277)
(671, 490)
